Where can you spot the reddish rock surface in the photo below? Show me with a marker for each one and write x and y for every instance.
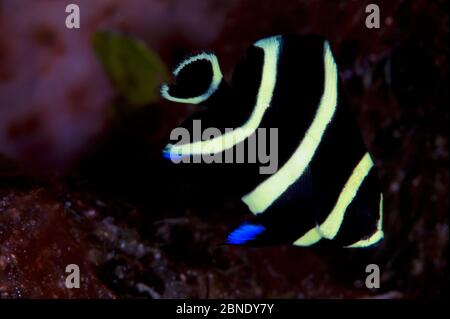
(38, 240)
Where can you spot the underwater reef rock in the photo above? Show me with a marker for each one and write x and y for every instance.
(37, 241)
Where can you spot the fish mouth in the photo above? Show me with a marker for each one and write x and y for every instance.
(167, 150)
(168, 154)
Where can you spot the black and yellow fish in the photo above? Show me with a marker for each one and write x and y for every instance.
(326, 186)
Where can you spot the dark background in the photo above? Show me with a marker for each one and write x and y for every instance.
(82, 180)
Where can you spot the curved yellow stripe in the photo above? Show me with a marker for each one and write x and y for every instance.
(268, 191)
(309, 238)
(271, 47)
(215, 82)
(377, 236)
(330, 227)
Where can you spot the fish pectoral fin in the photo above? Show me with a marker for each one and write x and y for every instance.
(197, 77)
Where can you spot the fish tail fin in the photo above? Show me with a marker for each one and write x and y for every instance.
(377, 235)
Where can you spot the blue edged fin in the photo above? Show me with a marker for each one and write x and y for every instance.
(245, 233)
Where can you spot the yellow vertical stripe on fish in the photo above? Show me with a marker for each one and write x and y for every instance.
(269, 190)
(309, 238)
(271, 47)
(330, 227)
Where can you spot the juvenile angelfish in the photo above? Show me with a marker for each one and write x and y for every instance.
(326, 187)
